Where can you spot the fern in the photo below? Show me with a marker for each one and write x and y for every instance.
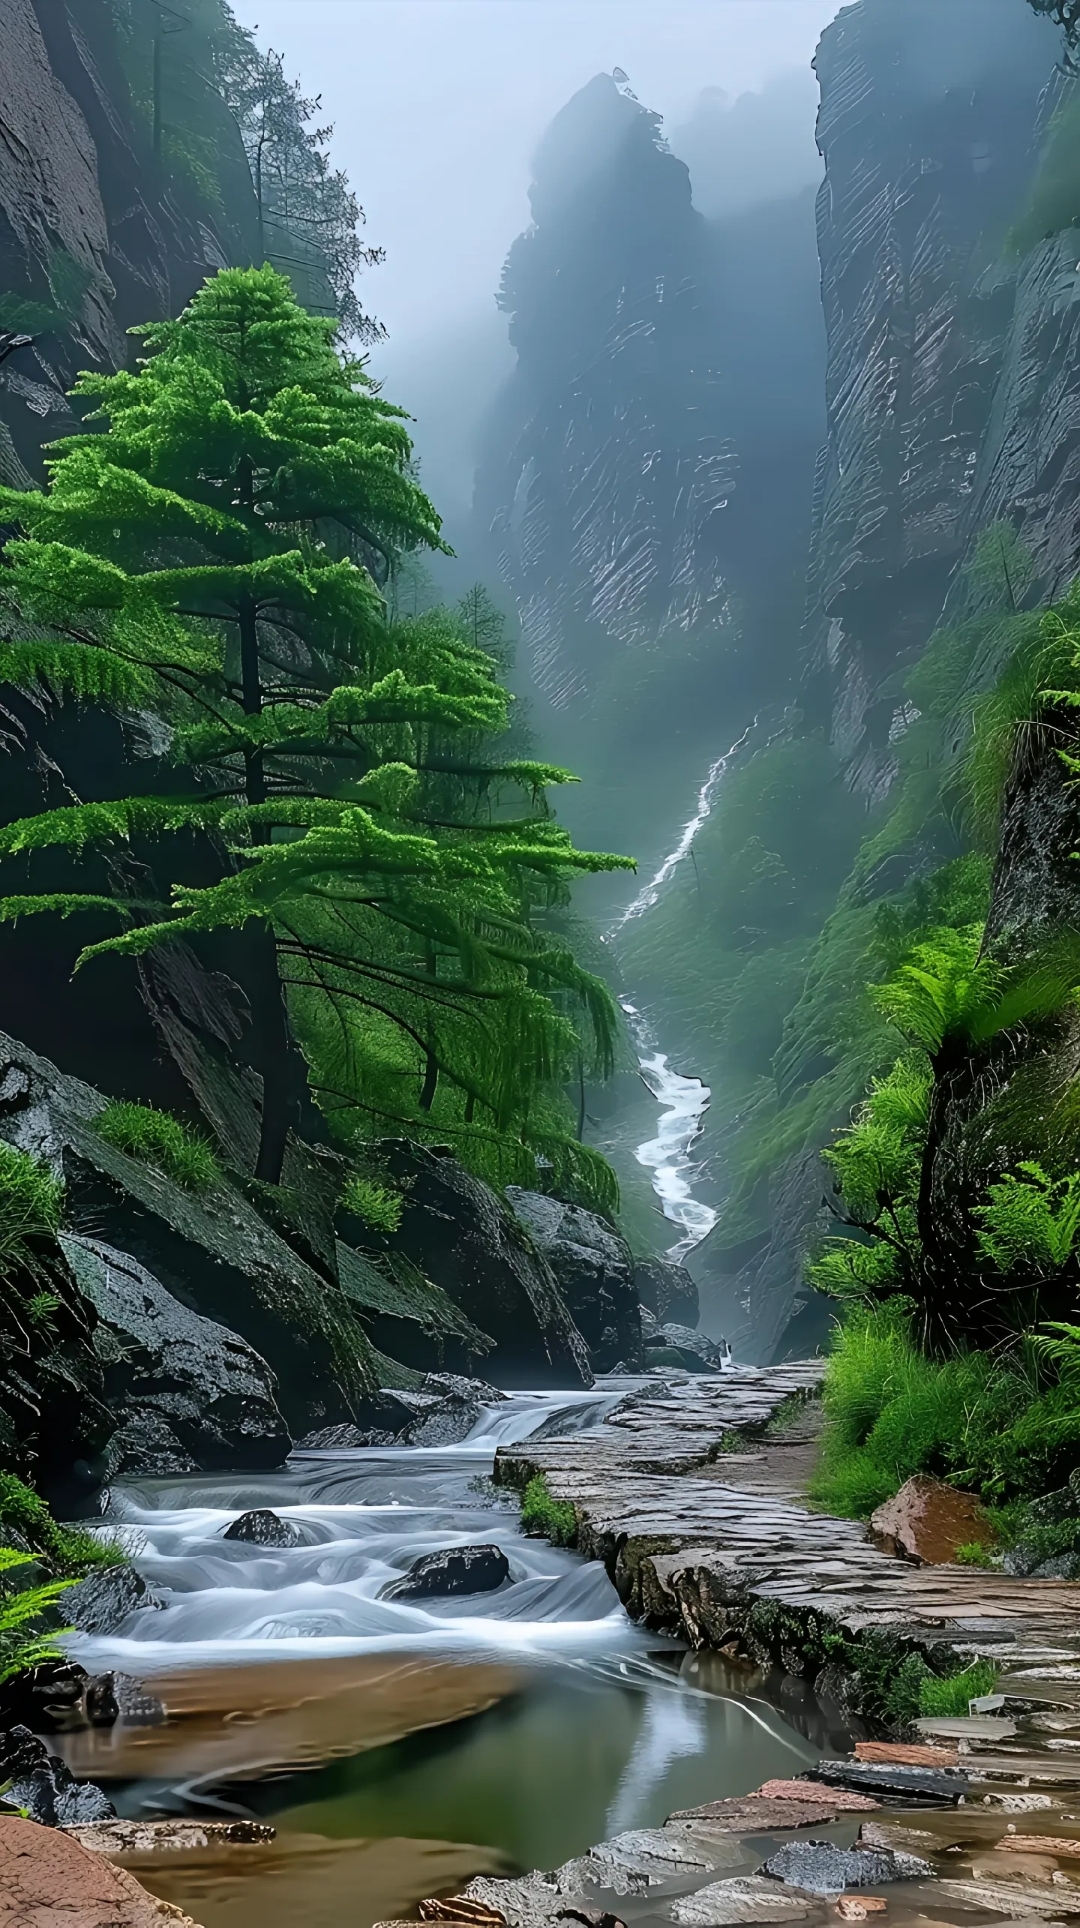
(379, 1206)
(24, 1641)
(1031, 1219)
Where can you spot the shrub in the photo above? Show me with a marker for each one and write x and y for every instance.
(379, 1206)
(157, 1138)
(547, 1517)
(24, 1641)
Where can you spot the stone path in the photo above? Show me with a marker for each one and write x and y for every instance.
(708, 1543)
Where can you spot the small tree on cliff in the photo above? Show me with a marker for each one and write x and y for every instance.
(213, 557)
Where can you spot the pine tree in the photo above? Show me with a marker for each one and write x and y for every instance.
(213, 556)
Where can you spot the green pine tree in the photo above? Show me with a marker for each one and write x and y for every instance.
(214, 556)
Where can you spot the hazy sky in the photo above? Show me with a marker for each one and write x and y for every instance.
(437, 105)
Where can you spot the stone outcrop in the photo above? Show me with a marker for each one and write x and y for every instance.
(212, 1252)
(48, 1877)
(463, 1237)
(204, 1392)
(595, 1273)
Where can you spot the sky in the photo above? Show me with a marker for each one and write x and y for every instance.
(437, 106)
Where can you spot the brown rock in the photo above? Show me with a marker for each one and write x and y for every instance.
(47, 1880)
(897, 1754)
(1041, 1844)
(857, 1907)
(753, 1814)
(926, 1521)
(837, 1797)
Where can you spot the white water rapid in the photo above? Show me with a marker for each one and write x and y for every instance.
(668, 1158)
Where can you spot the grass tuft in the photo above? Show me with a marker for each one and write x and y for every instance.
(547, 1517)
(378, 1206)
(948, 1697)
(157, 1138)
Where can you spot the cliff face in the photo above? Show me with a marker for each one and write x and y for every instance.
(946, 358)
(96, 234)
(621, 484)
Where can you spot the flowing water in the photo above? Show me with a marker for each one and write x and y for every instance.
(400, 1747)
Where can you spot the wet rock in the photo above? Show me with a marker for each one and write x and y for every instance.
(667, 1291)
(117, 1838)
(926, 1521)
(343, 1439)
(458, 1570)
(465, 1238)
(936, 1787)
(47, 1876)
(595, 1272)
(754, 1814)
(183, 1384)
(840, 1798)
(146, 1447)
(823, 1868)
(454, 1385)
(47, 1699)
(263, 1528)
(102, 1602)
(747, 1897)
(45, 1786)
(109, 1698)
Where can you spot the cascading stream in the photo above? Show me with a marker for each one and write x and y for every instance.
(683, 1101)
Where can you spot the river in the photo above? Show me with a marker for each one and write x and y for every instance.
(399, 1748)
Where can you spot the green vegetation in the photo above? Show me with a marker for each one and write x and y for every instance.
(30, 1205)
(70, 1551)
(547, 1517)
(379, 1206)
(162, 1140)
(387, 890)
(952, 1695)
(25, 1613)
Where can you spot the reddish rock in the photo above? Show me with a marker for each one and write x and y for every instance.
(905, 1754)
(47, 1880)
(926, 1521)
(837, 1797)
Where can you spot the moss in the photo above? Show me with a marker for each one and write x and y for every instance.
(547, 1517)
(157, 1138)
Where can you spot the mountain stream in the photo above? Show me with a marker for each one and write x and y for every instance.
(399, 1747)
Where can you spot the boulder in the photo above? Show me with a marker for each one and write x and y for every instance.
(174, 1374)
(214, 1251)
(46, 1877)
(458, 1570)
(110, 1698)
(145, 1447)
(926, 1521)
(102, 1602)
(825, 1868)
(461, 1235)
(45, 1786)
(667, 1290)
(343, 1439)
(594, 1270)
(263, 1528)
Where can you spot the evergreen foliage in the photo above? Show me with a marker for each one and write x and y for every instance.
(214, 556)
(159, 1139)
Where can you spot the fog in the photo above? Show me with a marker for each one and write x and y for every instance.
(437, 108)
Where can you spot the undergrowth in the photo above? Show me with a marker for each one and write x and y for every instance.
(157, 1138)
(378, 1206)
(978, 1419)
(26, 1640)
(547, 1517)
(71, 1551)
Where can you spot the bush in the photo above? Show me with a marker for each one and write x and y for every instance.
(546, 1517)
(157, 1138)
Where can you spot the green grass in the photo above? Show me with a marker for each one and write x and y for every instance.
(157, 1138)
(983, 1422)
(546, 1517)
(70, 1550)
(378, 1206)
(948, 1697)
(31, 1200)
